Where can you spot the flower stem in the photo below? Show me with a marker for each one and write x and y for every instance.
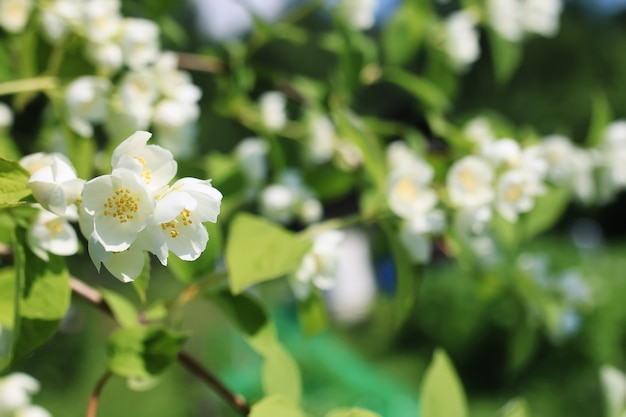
(93, 296)
(28, 84)
(92, 407)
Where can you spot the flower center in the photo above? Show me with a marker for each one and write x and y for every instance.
(467, 179)
(406, 189)
(184, 219)
(122, 205)
(146, 174)
(54, 226)
(513, 193)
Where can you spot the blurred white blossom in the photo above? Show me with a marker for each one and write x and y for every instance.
(6, 116)
(289, 199)
(140, 42)
(359, 14)
(52, 233)
(273, 113)
(470, 182)
(86, 99)
(14, 14)
(515, 193)
(461, 39)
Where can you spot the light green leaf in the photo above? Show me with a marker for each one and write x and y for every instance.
(13, 179)
(515, 408)
(276, 406)
(404, 33)
(506, 56)
(123, 310)
(353, 412)
(8, 314)
(431, 96)
(258, 251)
(281, 375)
(442, 392)
(312, 314)
(601, 116)
(143, 351)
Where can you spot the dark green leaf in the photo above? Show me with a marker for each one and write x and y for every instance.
(242, 309)
(258, 250)
(601, 116)
(404, 33)
(506, 56)
(13, 179)
(143, 351)
(547, 211)
(429, 94)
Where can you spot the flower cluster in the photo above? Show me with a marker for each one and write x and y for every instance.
(289, 199)
(138, 85)
(325, 145)
(16, 390)
(513, 18)
(133, 209)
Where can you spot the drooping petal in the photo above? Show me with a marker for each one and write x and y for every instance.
(126, 265)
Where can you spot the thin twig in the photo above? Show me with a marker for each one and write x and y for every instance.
(92, 296)
(202, 63)
(92, 408)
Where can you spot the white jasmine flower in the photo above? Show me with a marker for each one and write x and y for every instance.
(275, 202)
(557, 151)
(515, 193)
(360, 14)
(479, 131)
(348, 155)
(52, 233)
(53, 181)
(32, 411)
(125, 265)
(140, 42)
(137, 88)
(502, 152)
(153, 164)
(541, 16)
(505, 18)
(399, 155)
(319, 266)
(252, 156)
(181, 140)
(57, 17)
(613, 153)
(582, 179)
(6, 116)
(310, 210)
(173, 83)
(469, 182)
(174, 114)
(15, 391)
(177, 222)
(461, 39)
(614, 386)
(409, 193)
(119, 206)
(322, 139)
(14, 14)
(273, 113)
(415, 234)
(86, 99)
(102, 19)
(472, 228)
(107, 56)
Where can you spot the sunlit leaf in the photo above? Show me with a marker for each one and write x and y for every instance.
(276, 406)
(353, 412)
(13, 179)
(442, 394)
(258, 250)
(123, 310)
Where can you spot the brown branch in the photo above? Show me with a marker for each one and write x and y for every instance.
(202, 63)
(92, 408)
(92, 296)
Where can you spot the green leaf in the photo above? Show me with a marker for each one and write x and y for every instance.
(329, 182)
(143, 351)
(276, 406)
(407, 275)
(353, 412)
(246, 313)
(8, 314)
(312, 314)
(81, 152)
(547, 211)
(281, 374)
(190, 272)
(506, 56)
(13, 179)
(123, 310)
(517, 407)
(601, 116)
(442, 392)
(431, 96)
(258, 251)
(404, 33)
(140, 284)
(44, 296)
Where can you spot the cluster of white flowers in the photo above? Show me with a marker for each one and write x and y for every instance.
(55, 186)
(325, 144)
(288, 199)
(319, 266)
(511, 19)
(411, 197)
(134, 209)
(149, 90)
(16, 390)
